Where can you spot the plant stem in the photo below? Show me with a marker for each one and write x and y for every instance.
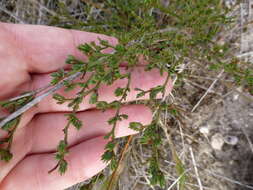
(123, 152)
(38, 99)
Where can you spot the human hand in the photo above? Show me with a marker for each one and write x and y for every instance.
(28, 54)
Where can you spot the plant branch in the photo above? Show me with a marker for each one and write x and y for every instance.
(30, 93)
(115, 172)
(208, 90)
(38, 99)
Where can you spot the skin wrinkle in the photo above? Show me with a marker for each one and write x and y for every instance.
(11, 40)
(45, 161)
(38, 178)
(36, 69)
(77, 173)
(88, 131)
(81, 174)
(75, 44)
(19, 46)
(20, 137)
(7, 168)
(31, 126)
(28, 40)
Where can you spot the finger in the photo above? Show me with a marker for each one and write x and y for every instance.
(47, 128)
(12, 65)
(84, 162)
(46, 48)
(140, 79)
(21, 143)
(44, 132)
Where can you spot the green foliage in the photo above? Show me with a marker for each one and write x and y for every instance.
(141, 93)
(157, 176)
(116, 118)
(14, 105)
(5, 155)
(62, 166)
(155, 91)
(93, 98)
(137, 126)
(102, 105)
(119, 91)
(62, 150)
(60, 99)
(107, 156)
(181, 172)
(57, 76)
(75, 121)
(11, 126)
(151, 135)
(96, 179)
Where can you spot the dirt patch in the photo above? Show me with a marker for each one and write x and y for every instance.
(228, 138)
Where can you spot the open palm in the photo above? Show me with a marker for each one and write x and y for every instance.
(28, 54)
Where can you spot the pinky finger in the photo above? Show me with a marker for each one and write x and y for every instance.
(84, 161)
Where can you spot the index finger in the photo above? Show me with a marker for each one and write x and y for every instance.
(46, 48)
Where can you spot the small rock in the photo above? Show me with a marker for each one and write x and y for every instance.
(232, 140)
(204, 130)
(217, 141)
(230, 3)
(236, 96)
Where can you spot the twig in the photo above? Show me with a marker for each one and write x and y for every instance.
(217, 175)
(29, 93)
(38, 99)
(246, 54)
(191, 83)
(45, 8)
(12, 15)
(208, 90)
(177, 180)
(196, 169)
(116, 171)
(208, 78)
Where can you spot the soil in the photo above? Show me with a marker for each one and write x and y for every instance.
(227, 149)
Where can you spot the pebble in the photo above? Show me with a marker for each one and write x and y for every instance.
(236, 96)
(230, 3)
(231, 140)
(204, 130)
(217, 141)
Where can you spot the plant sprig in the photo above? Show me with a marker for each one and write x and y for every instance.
(168, 37)
(11, 106)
